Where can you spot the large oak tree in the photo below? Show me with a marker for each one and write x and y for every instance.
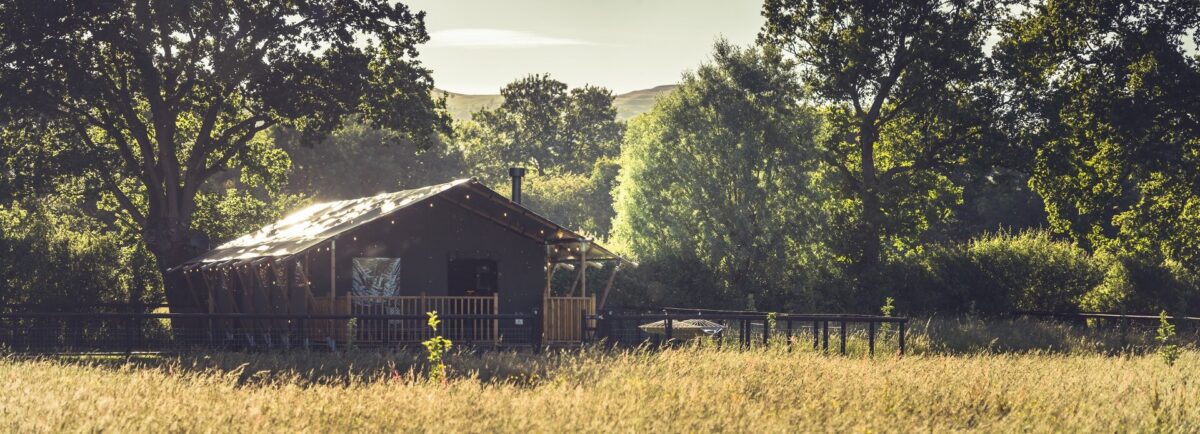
(900, 83)
(151, 99)
(1107, 100)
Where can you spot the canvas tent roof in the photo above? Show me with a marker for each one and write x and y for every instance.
(320, 222)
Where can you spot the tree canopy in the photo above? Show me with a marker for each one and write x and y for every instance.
(901, 84)
(1105, 97)
(150, 100)
(543, 125)
(957, 155)
(717, 172)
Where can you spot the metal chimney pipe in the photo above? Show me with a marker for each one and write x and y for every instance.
(516, 173)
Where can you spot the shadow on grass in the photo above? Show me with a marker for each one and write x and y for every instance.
(334, 368)
(965, 335)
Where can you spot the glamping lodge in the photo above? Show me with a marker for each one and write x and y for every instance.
(459, 248)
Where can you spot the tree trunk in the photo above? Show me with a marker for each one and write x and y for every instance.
(872, 212)
(172, 244)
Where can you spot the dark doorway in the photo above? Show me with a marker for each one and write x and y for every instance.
(472, 277)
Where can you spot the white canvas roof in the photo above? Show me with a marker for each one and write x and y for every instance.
(317, 223)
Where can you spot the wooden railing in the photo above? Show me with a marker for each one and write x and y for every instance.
(329, 329)
(563, 318)
(380, 332)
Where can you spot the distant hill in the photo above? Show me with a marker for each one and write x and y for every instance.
(628, 104)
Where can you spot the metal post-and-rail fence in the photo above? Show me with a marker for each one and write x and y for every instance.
(109, 332)
(1186, 327)
(1119, 318)
(116, 332)
(744, 329)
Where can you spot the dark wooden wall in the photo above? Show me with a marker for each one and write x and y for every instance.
(425, 239)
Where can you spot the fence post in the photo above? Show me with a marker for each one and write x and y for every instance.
(789, 334)
(744, 336)
(816, 335)
(304, 321)
(902, 324)
(610, 332)
(766, 330)
(669, 328)
(871, 338)
(825, 334)
(129, 334)
(843, 333)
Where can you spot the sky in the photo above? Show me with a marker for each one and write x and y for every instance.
(477, 46)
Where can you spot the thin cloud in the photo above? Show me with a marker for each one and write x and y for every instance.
(496, 38)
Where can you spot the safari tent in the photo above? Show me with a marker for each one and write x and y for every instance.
(457, 248)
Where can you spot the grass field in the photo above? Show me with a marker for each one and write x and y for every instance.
(692, 388)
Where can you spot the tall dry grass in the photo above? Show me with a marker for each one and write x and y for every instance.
(687, 389)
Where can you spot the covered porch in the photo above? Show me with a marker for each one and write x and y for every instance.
(483, 262)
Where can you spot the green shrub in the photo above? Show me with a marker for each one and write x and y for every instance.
(1036, 271)
(437, 347)
(999, 273)
(1167, 349)
(48, 255)
(1140, 284)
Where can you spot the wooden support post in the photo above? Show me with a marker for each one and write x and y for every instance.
(212, 326)
(300, 271)
(495, 322)
(583, 328)
(332, 272)
(608, 286)
(583, 248)
(332, 287)
(902, 324)
(575, 285)
(538, 330)
(249, 306)
(210, 298)
(551, 266)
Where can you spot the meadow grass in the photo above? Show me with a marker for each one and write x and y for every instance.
(689, 388)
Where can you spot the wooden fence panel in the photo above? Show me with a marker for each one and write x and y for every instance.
(563, 316)
(382, 332)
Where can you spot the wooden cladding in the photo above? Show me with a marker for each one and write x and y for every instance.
(564, 316)
(382, 332)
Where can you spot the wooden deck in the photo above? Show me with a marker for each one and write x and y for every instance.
(561, 322)
(382, 332)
